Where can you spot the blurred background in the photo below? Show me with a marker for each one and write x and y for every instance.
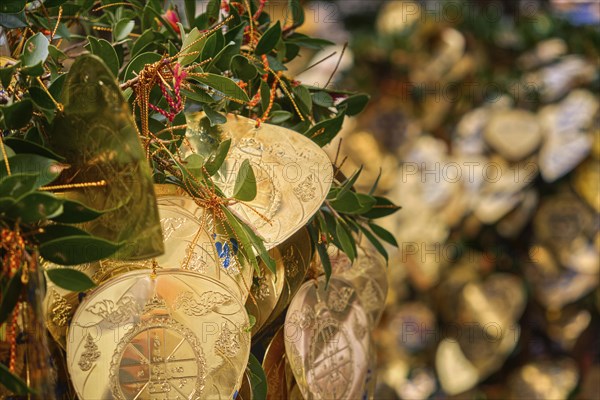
(484, 122)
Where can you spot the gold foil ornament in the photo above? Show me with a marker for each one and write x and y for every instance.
(550, 379)
(98, 138)
(514, 134)
(293, 175)
(296, 255)
(368, 276)
(274, 366)
(177, 334)
(327, 341)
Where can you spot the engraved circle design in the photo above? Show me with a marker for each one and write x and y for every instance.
(178, 335)
(143, 369)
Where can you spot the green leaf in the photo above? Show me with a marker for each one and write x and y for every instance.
(349, 182)
(322, 99)
(122, 29)
(139, 62)
(250, 244)
(324, 132)
(103, 49)
(13, 383)
(27, 146)
(382, 208)
(353, 105)
(190, 10)
(189, 47)
(56, 53)
(300, 39)
(346, 240)
(214, 117)
(35, 206)
(197, 94)
(6, 75)
(268, 40)
(12, 6)
(366, 202)
(214, 162)
(242, 68)
(10, 296)
(143, 41)
(222, 85)
(303, 98)
(17, 115)
(75, 250)
(75, 212)
(376, 243)
(35, 51)
(16, 185)
(383, 234)
(40, 98)
(13, 21)
(46, 169)
(279, 116)
(347, 203)
(252, 322)
(57, 231)
(297, 12)
(258, 379)
(70, 279)
(245, 183)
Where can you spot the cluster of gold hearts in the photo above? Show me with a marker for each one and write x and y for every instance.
(327, 333)
(178, 324)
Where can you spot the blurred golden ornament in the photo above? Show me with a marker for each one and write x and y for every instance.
(586, 182)
(557, 79)
(455, 373)
(568, 326)
(550, 379)
(395, 17)
(293, 174)
(567, 133)
(561, 219)
(511, 225)
(296, 253)
(555, 287)
(514, 134)
(544, 52)
(327, 341)
(139, 335)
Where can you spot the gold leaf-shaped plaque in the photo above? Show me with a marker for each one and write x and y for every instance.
(293, 174)
(98, 138)
(327, 341)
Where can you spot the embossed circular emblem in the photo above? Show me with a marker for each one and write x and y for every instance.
(178, 335)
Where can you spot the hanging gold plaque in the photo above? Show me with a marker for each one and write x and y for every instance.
(178, 334)
(293, 174)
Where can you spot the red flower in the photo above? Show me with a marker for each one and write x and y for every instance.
(172, 18)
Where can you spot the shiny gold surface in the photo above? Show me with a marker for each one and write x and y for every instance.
(293, 175)
(327, 340)
(178, 334)
(274, 366)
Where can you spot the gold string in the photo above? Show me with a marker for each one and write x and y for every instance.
(4, 155)
(58, 105)
(75, 185)
(60, 11)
